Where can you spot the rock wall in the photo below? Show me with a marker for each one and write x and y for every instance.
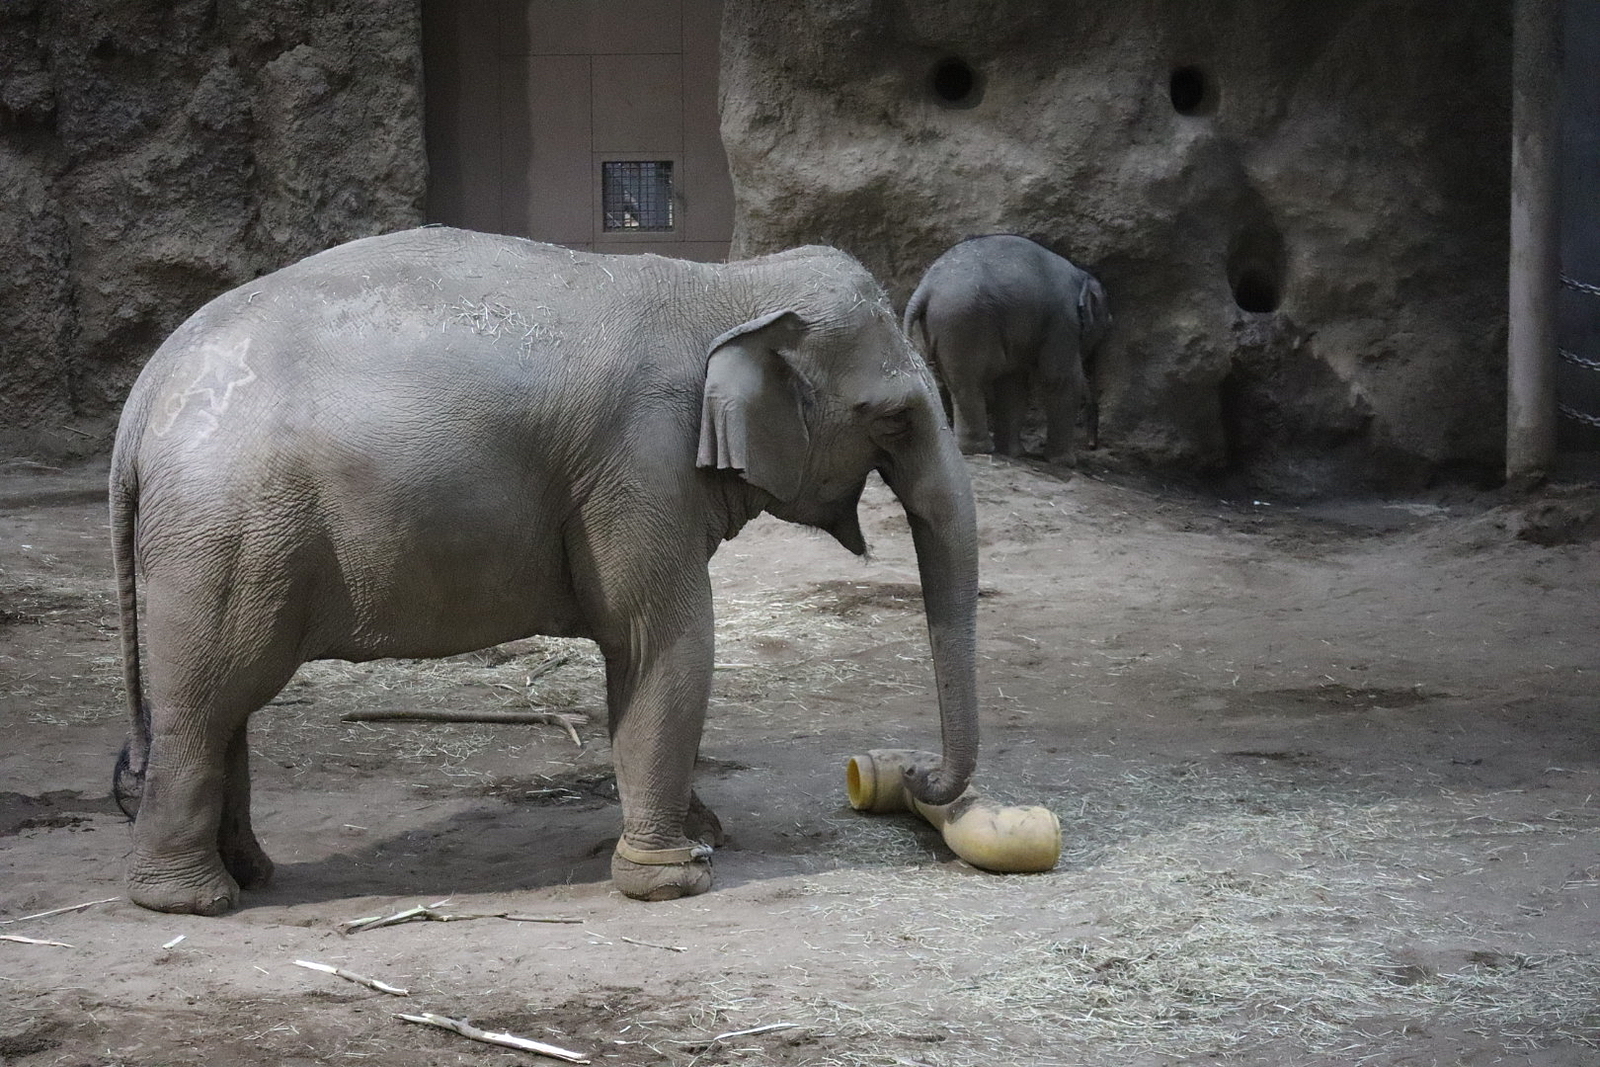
(1298, 210)
(157, 154)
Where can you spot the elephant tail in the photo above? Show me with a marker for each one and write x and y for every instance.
(127, 780)
(915, 323)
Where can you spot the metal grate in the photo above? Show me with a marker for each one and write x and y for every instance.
(636, 197)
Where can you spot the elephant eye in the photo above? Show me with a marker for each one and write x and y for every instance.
(892, 425)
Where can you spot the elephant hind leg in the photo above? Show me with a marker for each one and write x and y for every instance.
(1063, 387)
(193, 845)
(1009, 407)
(175, 865)
(969, 354)
(970, 401)
(242, 855)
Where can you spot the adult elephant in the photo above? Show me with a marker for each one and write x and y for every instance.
(1000, 315)
(434, 441)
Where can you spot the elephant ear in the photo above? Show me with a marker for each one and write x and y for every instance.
(1094, 318)
(752, 418)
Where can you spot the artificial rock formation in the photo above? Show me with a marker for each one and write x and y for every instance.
(1298, 210)
(155, 154)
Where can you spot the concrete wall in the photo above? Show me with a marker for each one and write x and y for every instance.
(156, 154)
(1298, 210)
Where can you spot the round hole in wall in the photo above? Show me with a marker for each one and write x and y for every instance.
(954, 82)
(1257, 265)
(1190, 91)
(1255, 291)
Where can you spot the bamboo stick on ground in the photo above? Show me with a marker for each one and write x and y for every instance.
(652, 944)
(431, 913)
(19, 939)
(57, 911)
(351, 976)
(753, 1030)
(488, 1037)
(567, 720)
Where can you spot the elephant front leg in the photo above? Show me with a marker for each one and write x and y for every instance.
(658, 704)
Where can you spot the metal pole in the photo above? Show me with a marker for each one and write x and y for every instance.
(1535, 240)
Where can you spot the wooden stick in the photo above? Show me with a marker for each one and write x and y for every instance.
(545, 668)
(567, 720)
(754, 1030)
(431, 913)
(652, 944)
(372, 922)
(19, 939)
(56, 911)
(513, 717)
(504, 1040)
(351, 976)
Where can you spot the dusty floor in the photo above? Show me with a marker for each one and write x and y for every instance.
(1329, 783)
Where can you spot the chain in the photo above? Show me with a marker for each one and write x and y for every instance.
(1579, 416)
(1579, 361)
(1581, 287)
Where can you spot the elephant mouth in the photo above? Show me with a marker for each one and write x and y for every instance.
(842, 521)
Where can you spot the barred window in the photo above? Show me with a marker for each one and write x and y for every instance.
(636, 197)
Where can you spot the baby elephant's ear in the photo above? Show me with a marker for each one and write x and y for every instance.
(752, 418)
(1094, 318)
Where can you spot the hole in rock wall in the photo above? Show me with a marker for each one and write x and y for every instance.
(1256, 261)
(1191, 92)
(1255, 292)
(955, 83)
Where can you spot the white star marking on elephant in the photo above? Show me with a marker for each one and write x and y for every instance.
(222, 371)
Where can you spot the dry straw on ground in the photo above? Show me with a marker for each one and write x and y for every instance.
(1135, 946)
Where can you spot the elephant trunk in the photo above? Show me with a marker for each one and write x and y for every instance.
(930, 479)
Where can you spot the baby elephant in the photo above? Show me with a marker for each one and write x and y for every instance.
(998, 312)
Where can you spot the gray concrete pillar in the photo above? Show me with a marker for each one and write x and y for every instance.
(1535, 240)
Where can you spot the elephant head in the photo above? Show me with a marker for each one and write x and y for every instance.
(806, 400)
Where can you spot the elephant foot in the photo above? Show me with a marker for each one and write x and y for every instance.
(661, 874)
(247, 863)
(702, 824)
(206, 889)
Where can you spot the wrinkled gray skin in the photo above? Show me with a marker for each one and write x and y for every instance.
(434, 441)
(998, 316)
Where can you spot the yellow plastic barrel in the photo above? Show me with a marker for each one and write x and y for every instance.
(993, 836)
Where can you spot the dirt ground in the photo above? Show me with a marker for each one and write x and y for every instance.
(1329, 782)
